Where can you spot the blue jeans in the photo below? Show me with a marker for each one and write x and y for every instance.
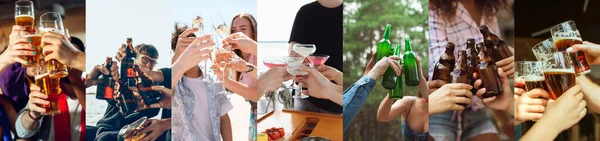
(444, 127)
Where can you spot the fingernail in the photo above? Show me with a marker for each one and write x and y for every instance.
(26, 63)
(30, 40)
(34, 53)
(35, 47)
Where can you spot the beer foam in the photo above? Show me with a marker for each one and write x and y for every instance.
(20, 16)
(32, 35)
(52, 29)
(534, 78)
(557, 38)
(36, 77)
(560, 70)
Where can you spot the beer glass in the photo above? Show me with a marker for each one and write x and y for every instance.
(24, 15)
(559, 73)
(566, 35)
(33, 60)
(544, 49)
(52, 21)
(49, 86)
(533, 75)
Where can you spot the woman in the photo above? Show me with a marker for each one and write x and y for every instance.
(417, 128)
(455, 21)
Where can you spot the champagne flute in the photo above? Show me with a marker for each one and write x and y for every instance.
(199, 22)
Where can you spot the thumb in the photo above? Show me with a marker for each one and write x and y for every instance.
(160, 89)
(580, 47)
(308, 69)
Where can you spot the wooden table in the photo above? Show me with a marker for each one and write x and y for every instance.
(293, 122)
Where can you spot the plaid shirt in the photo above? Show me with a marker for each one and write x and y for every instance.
(463, 26)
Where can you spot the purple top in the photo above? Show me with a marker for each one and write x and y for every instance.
(14, 85)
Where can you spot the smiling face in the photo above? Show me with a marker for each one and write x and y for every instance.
(242, 24)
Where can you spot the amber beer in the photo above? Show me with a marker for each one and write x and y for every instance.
(27, 21)
(144, 86)
(56, 69)
(36, 40)
(105, 89)
(580, 63)
(460, 74)
(51, 87)
(534, 82)
(445, 65)
(559, 81)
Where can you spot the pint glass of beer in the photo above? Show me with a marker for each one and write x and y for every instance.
(52, 21)
(49, 86)
(533, 75)
(566, 35)
(544, 49)
(559, 73)
(24, 15)
(36, 40)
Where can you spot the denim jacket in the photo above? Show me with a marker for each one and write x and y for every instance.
(355, 97)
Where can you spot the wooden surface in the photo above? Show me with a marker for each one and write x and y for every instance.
(329, 125)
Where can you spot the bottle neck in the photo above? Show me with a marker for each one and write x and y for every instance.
(386, 34)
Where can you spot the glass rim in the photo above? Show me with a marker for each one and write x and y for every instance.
(559, 26)
(305, 45)
(565, 55)
(319, 55)
(23, 3)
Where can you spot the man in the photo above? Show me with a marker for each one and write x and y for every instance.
(320, 23)
(108, 127)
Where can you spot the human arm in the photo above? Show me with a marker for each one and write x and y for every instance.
(226, 132)
(57, 46)
(390, 109)
(590, 92)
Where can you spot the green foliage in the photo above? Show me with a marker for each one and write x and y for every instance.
(364, 23)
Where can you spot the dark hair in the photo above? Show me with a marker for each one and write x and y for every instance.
(447, 8)
(175, 36)
(147, 49)
(252, 20)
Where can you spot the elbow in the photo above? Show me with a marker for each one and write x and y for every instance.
(382, 118)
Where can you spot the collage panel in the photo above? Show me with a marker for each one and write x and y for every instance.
(385, 56)
(215, 56)
(42, 60)
(556, 63)
(129, 70)
(300, 64)
(471, 59)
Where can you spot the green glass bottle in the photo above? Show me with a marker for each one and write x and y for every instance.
(384, 50)
(411, 74)
(396, 93)
(384, 47)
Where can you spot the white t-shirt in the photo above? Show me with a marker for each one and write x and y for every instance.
(202, 122)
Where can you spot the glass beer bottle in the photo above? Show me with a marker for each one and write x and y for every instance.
(396, 93)
(460, 74)
(144, 86)
(127, 102)
(491, 40)
(105, 89)
(411, 73)
(384, 50)
(488, 73)
(445, 65)
(471, 58)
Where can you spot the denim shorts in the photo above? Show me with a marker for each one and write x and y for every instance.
(444, 127)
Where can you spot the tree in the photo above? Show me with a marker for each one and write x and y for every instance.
(364, 23)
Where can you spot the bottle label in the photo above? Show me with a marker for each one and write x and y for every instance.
(108, 92)
(130, 73)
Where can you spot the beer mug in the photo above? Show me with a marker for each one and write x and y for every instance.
(24, 15)
(49, 86)
(559, 73)
(52, 21)
(566, 35)
(533, 75)
(544, 49)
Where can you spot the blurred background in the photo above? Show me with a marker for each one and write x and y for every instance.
(364, 24)
(533, 23)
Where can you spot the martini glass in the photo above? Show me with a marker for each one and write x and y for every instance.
(317, 60)
(272, 62)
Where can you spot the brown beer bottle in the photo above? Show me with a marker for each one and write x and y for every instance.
(460, 74)
(127, 102)
(488, 73)
(471, 58)
(491, 40)
(106, 85)
(445, 65)
(144, 86)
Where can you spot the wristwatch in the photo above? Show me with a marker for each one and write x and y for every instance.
(250, 68)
